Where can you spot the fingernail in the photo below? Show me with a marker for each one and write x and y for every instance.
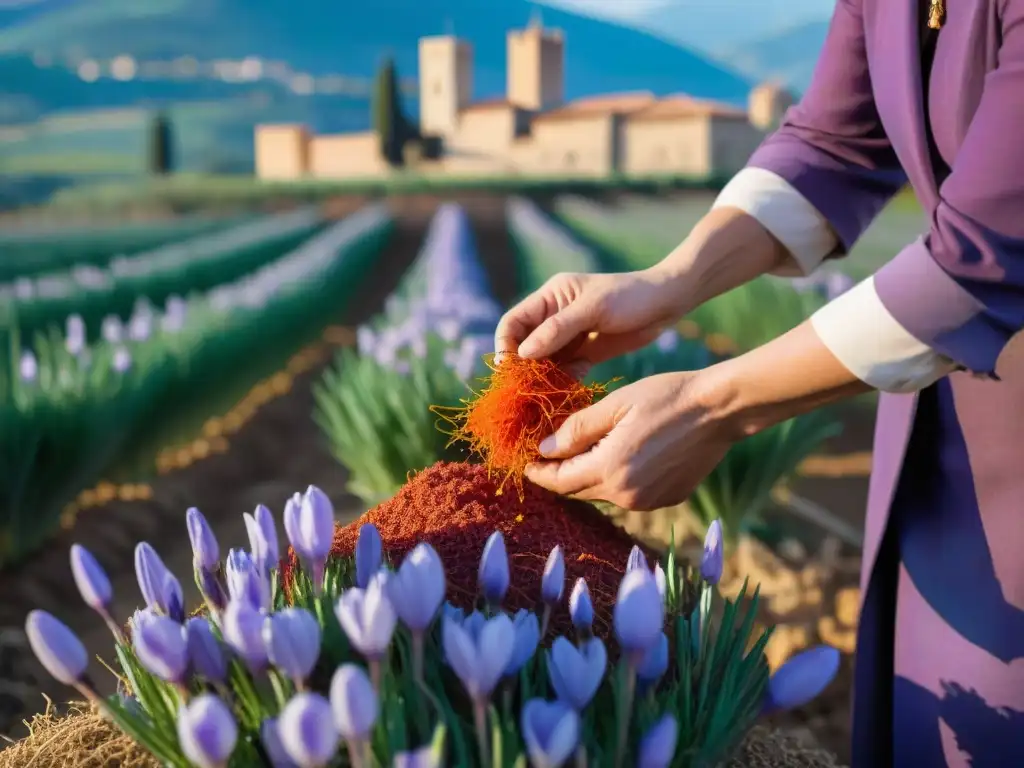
(526, 349)
(547, 445)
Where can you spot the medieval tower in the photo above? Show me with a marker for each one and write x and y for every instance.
(446, 83)
(536, 67)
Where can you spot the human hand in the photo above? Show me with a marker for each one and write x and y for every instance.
(644, 446)
(582, 319)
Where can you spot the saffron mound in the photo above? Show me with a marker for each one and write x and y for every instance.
(456, 506)
(524, 402)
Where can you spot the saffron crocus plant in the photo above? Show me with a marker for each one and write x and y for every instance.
(383, 672)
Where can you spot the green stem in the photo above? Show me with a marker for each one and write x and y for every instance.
(417, 657)
(357, 753)
(581, 757)
(626, 714)
(480, 724)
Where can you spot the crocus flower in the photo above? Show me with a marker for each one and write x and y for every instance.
(205, 550)
(263, 542)
(367, 617)
(577, 673)
(637, 559)
(494, 575)
(660, 580)
(711, 560)
(639, 613)
(160, 589)
(527, 636)
(416, 589)
(654, 662)
(292, 637)
(58, 648)
(242, 626)
(369, 554)
(551, 731)
(161, 646)
(74, 335)
(424, 757)
(479, 659)
(246, 581)
(801, 678)
(307, 730)
(270, 737)
(207, 731)
(205, 654)
(581, 608)
(354, 703)
(658, 745)
(122, 360)
(309, 525)
(552, 582)
(111, 329)
(28, 367)
(91, 580)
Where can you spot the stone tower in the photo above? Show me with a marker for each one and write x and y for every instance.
(536, 67)
(446, 83)
(767, 105)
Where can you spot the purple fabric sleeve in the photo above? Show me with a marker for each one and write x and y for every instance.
(960, 289)
(831, 147)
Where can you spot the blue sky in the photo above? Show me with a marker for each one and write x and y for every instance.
(706, 24)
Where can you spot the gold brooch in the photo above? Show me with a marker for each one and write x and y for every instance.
(936, 14)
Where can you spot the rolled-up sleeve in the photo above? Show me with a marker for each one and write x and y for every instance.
(960, 289)
(824, 175)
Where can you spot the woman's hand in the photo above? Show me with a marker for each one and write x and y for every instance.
(582, 319)
(649, 444)
(644, 446)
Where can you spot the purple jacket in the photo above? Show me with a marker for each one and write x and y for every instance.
(853, 141)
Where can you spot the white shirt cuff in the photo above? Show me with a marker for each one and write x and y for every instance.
(784, 212)
(867, 339)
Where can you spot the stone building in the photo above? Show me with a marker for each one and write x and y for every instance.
(532, 130)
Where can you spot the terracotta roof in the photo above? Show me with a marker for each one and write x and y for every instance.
(681, 106)
(600, 106)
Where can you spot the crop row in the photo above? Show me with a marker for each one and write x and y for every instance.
(69, 409)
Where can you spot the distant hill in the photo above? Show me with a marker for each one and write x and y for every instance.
(321, 36)
(788, 56)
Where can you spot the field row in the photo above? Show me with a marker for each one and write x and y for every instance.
(96, 365)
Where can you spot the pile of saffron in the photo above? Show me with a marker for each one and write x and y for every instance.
(455, 506)
(524, 402)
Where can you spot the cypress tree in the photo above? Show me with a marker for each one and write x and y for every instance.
(160, 139)
(389, 122)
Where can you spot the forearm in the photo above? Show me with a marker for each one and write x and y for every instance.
(726, 249)
(792, 375)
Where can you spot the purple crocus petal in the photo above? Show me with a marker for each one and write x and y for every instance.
(424, 757)
(266, 548)
(205, 653)
(246, 581)
(801, 678)
(369, 554)
(160, 588)
(291, 519)
(581, 608)
(654, 662)
(658, 745)
(315, 526)
(636, 559)
(367, 617)
(576, 673)
(417, 589)
(90, 578)
(292, 637)
(481, 661)
(307, 730)
(354, 703)
(205, 550)
(161, 646)
(711, 562)
(242, 626)
(639, 614)
(58, 648)
(207, 731)
(527, 636)
(270, 737)
(551, 732)
(552, 583)
(494, 572)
